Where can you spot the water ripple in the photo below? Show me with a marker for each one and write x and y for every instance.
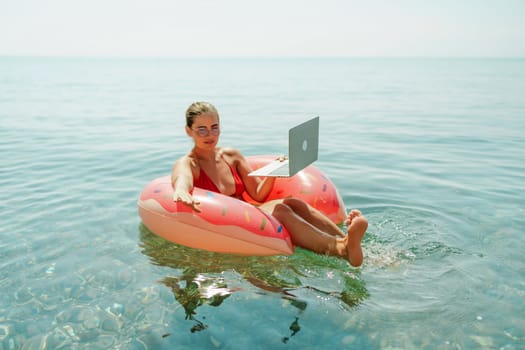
(440, 185)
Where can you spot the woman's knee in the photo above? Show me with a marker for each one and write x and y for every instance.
(281, 210)
(295, 203)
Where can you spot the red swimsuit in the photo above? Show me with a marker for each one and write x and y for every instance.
(206, 183)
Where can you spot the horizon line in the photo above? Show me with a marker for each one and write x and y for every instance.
(200, 57)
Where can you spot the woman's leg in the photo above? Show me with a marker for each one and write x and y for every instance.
(308, 213)
(308, 236)
(313, 216)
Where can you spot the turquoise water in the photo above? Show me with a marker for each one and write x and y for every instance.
(430, 150)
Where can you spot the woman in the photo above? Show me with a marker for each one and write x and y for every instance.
(225, 170)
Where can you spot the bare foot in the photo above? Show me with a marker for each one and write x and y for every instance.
(357, 225)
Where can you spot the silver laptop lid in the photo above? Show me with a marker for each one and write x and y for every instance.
(303, 145)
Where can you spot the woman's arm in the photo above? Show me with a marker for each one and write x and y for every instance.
(257, 188)
(182, 182)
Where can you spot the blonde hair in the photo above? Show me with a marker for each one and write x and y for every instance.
(198, 108)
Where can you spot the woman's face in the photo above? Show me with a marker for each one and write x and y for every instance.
(205, 130)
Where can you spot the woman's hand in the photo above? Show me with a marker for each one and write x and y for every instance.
(187, 199)
(182, 182)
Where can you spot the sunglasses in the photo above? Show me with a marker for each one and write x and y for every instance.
(203, 131)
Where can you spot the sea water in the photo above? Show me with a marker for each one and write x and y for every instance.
(430, 150)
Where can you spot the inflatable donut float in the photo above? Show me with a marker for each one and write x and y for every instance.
(229, 225)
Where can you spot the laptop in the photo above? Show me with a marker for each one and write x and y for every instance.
(303, 146)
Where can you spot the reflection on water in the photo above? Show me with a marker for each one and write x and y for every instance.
(206, 278)
(192, 291)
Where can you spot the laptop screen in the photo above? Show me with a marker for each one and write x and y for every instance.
(303, 145)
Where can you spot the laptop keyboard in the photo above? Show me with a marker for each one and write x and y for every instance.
(270, 168)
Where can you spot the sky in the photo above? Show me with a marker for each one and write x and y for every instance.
(273, 28)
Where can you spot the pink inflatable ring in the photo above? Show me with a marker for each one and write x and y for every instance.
(229, 225)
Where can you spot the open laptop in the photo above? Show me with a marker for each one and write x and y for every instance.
(303, 146)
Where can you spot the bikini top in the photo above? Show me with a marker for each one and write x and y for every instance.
(206, 183)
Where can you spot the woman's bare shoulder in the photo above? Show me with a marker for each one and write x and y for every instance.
(231, 152)
(188, 160)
